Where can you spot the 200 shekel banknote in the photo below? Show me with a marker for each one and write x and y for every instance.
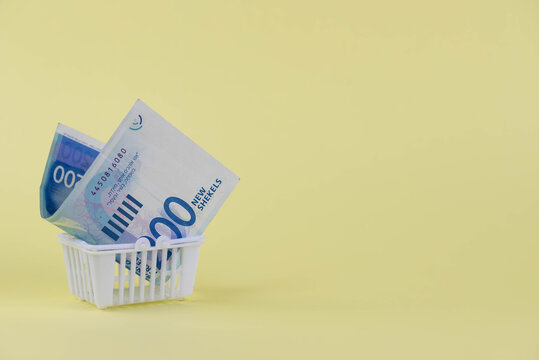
(148, 180)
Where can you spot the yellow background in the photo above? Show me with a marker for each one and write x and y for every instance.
(389, 161)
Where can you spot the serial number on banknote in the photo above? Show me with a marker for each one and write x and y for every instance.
(106, 175)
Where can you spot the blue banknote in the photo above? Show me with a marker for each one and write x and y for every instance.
(71, 154)
(148, 180)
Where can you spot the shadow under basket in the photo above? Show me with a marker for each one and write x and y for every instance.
(103, 275)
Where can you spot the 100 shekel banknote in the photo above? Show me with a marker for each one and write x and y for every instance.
(148, 180)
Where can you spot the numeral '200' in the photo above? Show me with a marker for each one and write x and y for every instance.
(175, 219)
(59, 175)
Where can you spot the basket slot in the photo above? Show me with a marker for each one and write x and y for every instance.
(132, 273)
(142, 280)
(67, 260)
(82, 276)
(121, 279)
(89, 277)
(173, 269)
(73, 266)
(78, 274)
(72, 270)
(163, 277)
(152, 275)
(180, 273)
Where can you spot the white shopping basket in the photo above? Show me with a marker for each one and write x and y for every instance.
(98, 273)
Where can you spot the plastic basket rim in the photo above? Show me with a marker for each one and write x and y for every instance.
(141, 244)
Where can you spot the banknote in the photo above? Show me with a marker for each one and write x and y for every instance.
(148, 180)
(71, 154)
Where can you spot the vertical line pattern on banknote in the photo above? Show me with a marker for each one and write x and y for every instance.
(110, 233)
